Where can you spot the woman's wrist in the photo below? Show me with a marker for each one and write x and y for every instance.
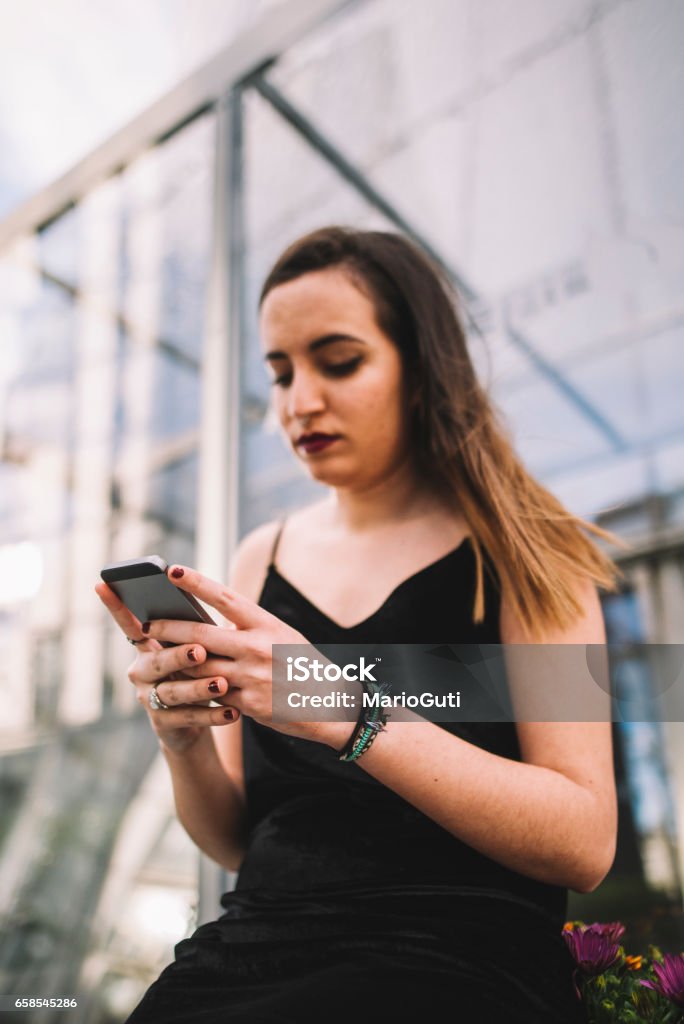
(332, 734)
(180, 747)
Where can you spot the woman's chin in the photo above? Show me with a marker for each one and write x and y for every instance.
(323, 471)
(328, 477)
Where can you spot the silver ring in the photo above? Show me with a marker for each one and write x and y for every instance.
(155, 701)
(135, 642)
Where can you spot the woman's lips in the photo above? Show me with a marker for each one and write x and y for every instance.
(312, 443)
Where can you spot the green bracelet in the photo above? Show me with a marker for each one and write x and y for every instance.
(365, 740)
(367, 728)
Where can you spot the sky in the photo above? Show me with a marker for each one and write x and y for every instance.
(74, 71)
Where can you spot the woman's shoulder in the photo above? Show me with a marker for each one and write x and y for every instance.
(252, 557)
(255, 551)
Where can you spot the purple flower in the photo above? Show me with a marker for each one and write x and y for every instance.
(613, 931)
(593, 952)
(670, 978)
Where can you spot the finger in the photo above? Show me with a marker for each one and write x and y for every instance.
(129, 625)
(192, 691)
(179, 717)
(217, 639)
(237, 609)
(229, 669)
(166, 661)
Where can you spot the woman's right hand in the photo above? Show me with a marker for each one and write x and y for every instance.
(179, 727)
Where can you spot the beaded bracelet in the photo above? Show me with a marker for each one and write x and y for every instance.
(370, 723)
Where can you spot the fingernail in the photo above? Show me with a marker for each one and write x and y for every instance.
(192, 654)
(146, 627)
(229, 714)
(177, 572)
(214, 686)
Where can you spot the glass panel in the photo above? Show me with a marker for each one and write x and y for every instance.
(549, 430)
(60, 243)
(535, 151)
(187, 227)
(99, 405)
(648, 789)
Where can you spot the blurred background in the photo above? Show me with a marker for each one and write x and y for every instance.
(154, 160)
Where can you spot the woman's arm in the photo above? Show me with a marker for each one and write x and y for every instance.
(209, 805)
(552, 816)
(207, 777)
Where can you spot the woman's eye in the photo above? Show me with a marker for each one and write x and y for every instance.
(342, 369)
(284, 380)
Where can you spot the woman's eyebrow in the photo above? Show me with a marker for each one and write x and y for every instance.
(325, 339)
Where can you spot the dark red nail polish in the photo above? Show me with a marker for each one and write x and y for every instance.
(214, 687)
(177, 572)
(192, 654)
(229, 714)
(146, 627)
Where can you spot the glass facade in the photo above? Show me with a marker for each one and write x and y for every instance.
(535, 156)
(103, 310)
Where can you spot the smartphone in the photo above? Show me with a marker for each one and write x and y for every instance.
(145, 589)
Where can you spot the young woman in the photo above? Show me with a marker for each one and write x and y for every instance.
(429, 874)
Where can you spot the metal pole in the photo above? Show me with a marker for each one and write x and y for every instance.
(217, 519)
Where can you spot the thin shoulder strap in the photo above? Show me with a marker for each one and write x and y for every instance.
(276, 542)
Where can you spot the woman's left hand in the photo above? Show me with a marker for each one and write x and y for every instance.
(240, 651)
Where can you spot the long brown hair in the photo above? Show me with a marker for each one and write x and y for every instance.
(540, 549)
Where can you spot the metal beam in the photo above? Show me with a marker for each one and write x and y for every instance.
(219, 465)
(655, 547)
(279, 28)
(347, 170)
(573, 394)
(587, 463)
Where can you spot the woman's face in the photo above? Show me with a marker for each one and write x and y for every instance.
(337, 380)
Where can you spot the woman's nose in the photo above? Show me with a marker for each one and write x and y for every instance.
(305, 396)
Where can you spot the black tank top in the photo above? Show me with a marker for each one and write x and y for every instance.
(318, 824)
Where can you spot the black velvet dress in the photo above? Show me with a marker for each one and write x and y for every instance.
(351, 903)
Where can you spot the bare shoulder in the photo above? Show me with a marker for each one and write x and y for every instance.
(589, 627)
(250, 561)
(252, 556)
